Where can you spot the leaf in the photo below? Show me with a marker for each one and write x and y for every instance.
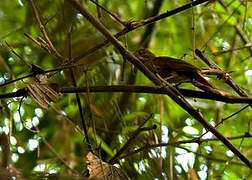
(102, 170)
(43, 94)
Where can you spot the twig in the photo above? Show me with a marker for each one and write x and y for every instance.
(60, 112)
(38, 43)
(231, 50)
(12, 50)
(238, 27)
(14, 80)
(157, 90)
(224, 119)
(138, 24)
(167, 87)
(146, 37)
(177, 143)
(36, 73)
(43, 30)
(226, 77)
(220, 27)
(110, 13)
(126, 145)
(98, 11)
(54, 151)
(20, 116)
(83, 122)
(243, 36)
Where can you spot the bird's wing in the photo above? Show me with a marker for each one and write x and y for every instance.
(174, 64)
(177, 65)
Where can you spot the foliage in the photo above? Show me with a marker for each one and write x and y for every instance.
(56, 146)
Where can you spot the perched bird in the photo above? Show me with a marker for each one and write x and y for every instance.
(173, 70)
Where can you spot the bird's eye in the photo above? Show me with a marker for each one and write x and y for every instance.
(141, 52)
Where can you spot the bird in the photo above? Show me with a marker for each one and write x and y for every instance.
(174, 70)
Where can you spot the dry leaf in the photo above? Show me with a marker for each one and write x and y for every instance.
(42, 92)
(101, 170)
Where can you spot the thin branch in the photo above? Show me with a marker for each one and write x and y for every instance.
(220, 27)
(132, 26)
(231, 50)
(37, 42)
(43, 30)
(12, 50)
(238, 27)
(226, 77)
(54, 151)
(18, 79)
(126, 145)
(171, 91)
(83, 122)
(242, 109)
(209, 157)
(20, 116)
(44, 72)
(68, 119)
(177, 143)
(146, 36)
(110, 13)
(243, 36)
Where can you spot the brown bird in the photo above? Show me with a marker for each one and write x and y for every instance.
(173, 70)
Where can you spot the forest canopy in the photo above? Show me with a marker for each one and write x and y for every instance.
(134, 89)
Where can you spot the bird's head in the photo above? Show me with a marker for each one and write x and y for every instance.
(144, 54)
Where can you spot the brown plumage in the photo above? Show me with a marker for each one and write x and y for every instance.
(172, 70)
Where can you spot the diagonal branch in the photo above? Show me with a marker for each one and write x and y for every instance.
(110, 13)
(133, 26)
(126, 145)
(171, 91)
(226, 77)
(43, 30)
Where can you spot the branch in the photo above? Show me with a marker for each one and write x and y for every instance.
(218, 53)
(33, 74)
(126, 145)
(157, 90)
(43, 30)
(238, 28)
(137, 89)
(171, 91)
(226, 76)
(110, 13)
(55, 152)
(77, 96)
(177, 143)
(133, 26)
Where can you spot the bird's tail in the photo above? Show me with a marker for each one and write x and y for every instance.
(203, 81)
(203, 84)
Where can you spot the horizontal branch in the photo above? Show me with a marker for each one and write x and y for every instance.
(138, 89)
(177, 143)
(157, 90)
